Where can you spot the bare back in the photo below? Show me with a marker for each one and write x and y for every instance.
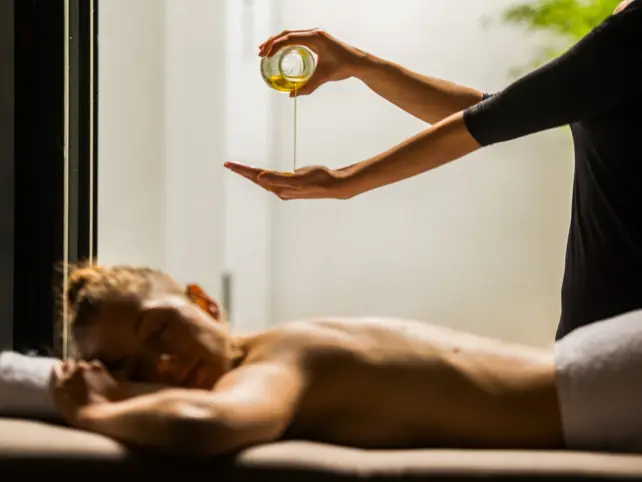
(397, 383)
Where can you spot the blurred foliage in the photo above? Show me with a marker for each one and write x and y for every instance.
(567, 20)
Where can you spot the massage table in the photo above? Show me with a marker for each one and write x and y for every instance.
(41, 450)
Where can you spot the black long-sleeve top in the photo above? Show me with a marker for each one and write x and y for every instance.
(596, 88)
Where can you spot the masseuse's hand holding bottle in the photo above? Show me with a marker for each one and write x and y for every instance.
(336, 59)
(427, 98)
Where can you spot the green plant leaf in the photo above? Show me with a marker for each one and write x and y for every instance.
(570, 20)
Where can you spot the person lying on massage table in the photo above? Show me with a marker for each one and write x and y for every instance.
(368, 383)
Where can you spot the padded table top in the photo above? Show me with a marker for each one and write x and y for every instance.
(31, 450)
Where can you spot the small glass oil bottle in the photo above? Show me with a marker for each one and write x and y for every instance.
(289, 68)
(287, 71)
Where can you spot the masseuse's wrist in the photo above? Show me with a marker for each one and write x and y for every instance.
(364, 65)
(354, 180)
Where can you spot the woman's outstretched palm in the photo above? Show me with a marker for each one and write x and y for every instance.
(313, 182)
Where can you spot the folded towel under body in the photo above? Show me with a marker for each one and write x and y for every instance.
(24, 386)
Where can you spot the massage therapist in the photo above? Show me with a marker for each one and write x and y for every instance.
(595, 87)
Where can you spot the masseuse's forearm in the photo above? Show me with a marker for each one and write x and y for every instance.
(175, 421)
(427, 98)
(442, 143)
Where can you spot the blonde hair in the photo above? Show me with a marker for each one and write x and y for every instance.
(88, 287)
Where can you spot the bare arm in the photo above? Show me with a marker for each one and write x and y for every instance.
(250, 406)
(598, 73)
(590, 78)
(427, 98)
(442, 143)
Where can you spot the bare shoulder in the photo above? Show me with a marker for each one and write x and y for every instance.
(296, 341)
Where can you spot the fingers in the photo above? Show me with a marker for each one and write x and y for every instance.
(278, 180)
(305, 183)
(307, 38)
(68, 368)
(58, 373)
(265, 46)
(248, 172)
(62, 373)
(282, 34)
(262, 177)
(304, 178)
(251, 173)
(271, 39)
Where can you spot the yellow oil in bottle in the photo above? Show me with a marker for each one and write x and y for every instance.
(283, 84)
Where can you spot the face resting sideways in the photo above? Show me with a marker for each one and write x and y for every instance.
(145, 327)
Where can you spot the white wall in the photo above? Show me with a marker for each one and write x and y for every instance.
(162, 137)
(478, 244)
(195, 141)
(249, 110)
(131, 132)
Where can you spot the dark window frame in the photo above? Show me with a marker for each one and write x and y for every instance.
(39, 162)
(6, 173)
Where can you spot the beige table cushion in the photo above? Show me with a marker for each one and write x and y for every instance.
(32, 450)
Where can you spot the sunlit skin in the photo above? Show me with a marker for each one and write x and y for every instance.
(324, 379)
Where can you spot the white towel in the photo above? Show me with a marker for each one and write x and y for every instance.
(598, 381)
(24, 386)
